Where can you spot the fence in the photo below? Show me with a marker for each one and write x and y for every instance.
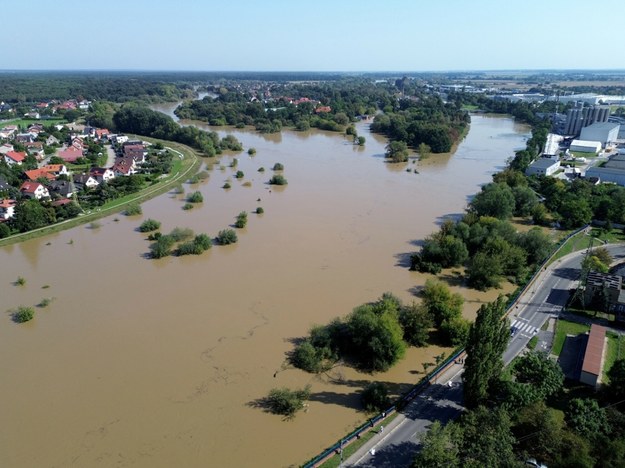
(425, 381)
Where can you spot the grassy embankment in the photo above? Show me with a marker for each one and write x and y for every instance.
(616, 350)
(581, 241)
(564, 328)
(181, 170)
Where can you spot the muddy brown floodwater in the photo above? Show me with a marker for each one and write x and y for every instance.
(148, 363)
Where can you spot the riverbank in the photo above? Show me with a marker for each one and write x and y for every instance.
(183, 167)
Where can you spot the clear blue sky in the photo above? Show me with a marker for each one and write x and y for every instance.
(312, 35)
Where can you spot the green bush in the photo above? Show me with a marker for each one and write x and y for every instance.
(149, 225)
(45, 302)
(226, 185)
(133, 210)
(234, 163)
(23, 314)
(278, 167)
(239, 175)
(162, 247)
(226, 237)
(278, 180)
(260, 210)
(195, 197)
(241, 220)
(261, 169)
(198, 245)
(181, 234)
(251, 151)
(287, 402)
(20, 281)
(375, 397)
(187, 206)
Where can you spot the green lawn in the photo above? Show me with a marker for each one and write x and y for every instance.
(579, 241)
(564, 328)
(470, 107)
(27, 122)
(616, 350)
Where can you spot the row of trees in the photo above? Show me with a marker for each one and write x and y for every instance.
(133, 118)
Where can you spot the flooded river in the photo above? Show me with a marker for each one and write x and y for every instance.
(147, 363)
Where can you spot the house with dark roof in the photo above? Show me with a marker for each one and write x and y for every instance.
(592, 365)
(61, 188)
(85, 181)
(102, 174)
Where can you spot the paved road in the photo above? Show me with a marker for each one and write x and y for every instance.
(442, 401)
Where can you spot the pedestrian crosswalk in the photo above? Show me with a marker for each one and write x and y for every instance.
(522, 326)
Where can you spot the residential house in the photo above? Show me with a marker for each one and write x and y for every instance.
(89, 131)
(102, 174)
(120, 139)
(70, 154)
(52, 140)
(61, 188)
(32, 115)
(36, 174)
(603, 287)
(14, 157)
(6, 147)
(7, 209)
(34, 190)
(85, 182)
(135, 152)
(124, 167)
(8, 132)
(56, 169)
(102, 134)
(35, 149)
(323, 110)
(25, 137)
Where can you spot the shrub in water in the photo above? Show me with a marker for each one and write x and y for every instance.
(23, 314)
(278, 167)
(195, 197)
(227, 236)
(278, 180)
(133, 210)
(260, 210)
(149, 225)
(241, 220)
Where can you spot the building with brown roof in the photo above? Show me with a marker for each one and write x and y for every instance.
(593, 357)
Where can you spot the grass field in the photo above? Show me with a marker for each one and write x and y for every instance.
(616, 350)
(564, 328)
(27, 122)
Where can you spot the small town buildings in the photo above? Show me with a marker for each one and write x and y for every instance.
(603, 284)
(102, 174)
(61, 188)
(543, 166)
(25, 137)
(85, 182)
(585, 146)
(36, 174)
(593, 356)
(102, 134)
(5, 148)
(7, 209)
(119, 139)
(14, 157)
(52, 140)
(604, 132)
(36, 190)
(552, 145)
(124, 167)
(35, 149)
(70, 154)
(56, 169)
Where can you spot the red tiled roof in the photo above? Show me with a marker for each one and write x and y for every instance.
(35, 174)
(7, 203)
(29, 187)
(594, 350)
(70, 154)
(16, 156)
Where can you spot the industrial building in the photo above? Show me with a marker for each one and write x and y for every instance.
(543, 166)
(580, 117)
(604, 132)
(552, 145)
(613, 171)
(582, 146)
